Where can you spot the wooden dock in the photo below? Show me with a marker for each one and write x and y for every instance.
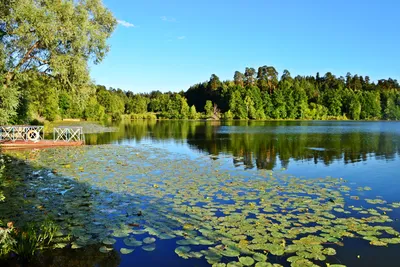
(21, 144)
(13, 137)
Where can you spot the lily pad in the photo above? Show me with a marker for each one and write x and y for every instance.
(149, 247)
(149, 240)
(246, 261)
(104, 249)
(126, 251)
(109, 241)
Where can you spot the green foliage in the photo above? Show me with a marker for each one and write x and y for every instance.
(55, 39)
(25, 242)
(185, 110)
(316, 112)
(247, 97)
(391, 105)
(208, 108)
(6, 240)
(228, 115)
(144, 116)
(193, 113)
(94, 111)
(8, 102)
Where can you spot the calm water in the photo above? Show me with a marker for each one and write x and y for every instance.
(363, 153)
(367, 153)
(360, 150)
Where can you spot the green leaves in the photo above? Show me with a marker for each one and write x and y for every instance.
(149, 196)
(126, 251)
(246, 261)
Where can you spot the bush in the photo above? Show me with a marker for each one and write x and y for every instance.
(228, 115)
(116, 116)
(26, 241)
(144, 116)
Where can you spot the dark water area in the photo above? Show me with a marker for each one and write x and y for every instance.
(364, 154)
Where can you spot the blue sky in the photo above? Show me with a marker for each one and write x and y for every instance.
(169, 45)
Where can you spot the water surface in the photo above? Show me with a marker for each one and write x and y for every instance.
(362, 154)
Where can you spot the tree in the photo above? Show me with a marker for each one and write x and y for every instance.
(238, 78)
(249, 76)
(208, 108)
(286, 76)
(185, 110)
(279, 102)
(214, 82)
(237, 105)
(54, 38)
(268, 107)
(193, 113)
(94, 111)
(370, 105)
(9, 96)
(272, 76)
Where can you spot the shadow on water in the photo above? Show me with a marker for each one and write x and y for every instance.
(34, 195)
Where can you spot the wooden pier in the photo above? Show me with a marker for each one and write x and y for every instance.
(18, 145)
(32, 137)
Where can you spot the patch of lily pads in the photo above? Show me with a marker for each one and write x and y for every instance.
(142, 196)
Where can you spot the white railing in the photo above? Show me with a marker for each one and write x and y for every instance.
(68, 134)
(21, 132)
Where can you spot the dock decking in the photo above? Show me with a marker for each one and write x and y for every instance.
(20, 144)
(32, 137)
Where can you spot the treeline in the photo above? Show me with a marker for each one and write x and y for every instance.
(254, 95)
(44, 73)
(262, 94)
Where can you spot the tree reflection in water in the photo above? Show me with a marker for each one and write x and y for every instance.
(265, 144)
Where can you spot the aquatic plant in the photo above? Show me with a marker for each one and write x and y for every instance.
(6, 241)
(243, 217)
(31, 238)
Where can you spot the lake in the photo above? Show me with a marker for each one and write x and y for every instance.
(196, 193)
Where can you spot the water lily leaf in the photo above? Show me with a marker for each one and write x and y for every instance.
(109, 241)
(263, 264)
(149, 240)
(230, 253)
(132, 242)
(126, 251)
(149, 247)
(182, 249)
(104, 249)
(234, 264)
(185, 242)
(329, 251)
(302, 263)
(260, 257)
(378, 243)
(246, 261)
(166, 236)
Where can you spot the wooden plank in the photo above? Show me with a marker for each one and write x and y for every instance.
(20, 144)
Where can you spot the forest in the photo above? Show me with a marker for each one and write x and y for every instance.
(45, 75)
(256, 95)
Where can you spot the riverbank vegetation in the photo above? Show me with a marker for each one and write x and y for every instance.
(301, 97)
(44, 75)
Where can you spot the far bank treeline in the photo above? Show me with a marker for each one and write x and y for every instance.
(46, 47)
(258, 95)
